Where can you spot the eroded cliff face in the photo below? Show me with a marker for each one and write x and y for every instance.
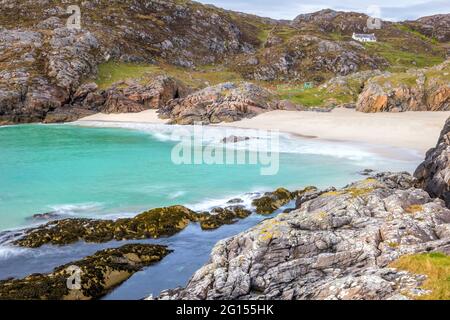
(336, 246)
(434, 173)
(40, 70)
(43, 63)
(415, 90)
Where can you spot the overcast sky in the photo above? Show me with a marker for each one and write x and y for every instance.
(289, 9)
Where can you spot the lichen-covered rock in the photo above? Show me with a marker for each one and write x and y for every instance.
(415, 90)
(272, 201)
(434, 173)
(98, 273)
(226, 102)
(335, 246)
(307, 194)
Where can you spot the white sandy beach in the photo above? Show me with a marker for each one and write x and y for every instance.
(147, 116)
(412, 130)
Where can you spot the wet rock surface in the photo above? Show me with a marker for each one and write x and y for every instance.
(336, 246)
(434, 173)
(98, 274)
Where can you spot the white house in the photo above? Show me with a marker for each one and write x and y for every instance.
(364, 37)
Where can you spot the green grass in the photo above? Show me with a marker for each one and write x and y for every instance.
(436, 266)
(315, 97)
(111, 72)
(401, 60)
(417, 34)
(398, 78)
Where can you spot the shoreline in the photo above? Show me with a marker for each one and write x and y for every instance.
(385, 134)
(417, 131)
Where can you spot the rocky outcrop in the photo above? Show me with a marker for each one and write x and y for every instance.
(436, 26)
(39, 70)
(328, 20)
(225, 102)
(131, 96)
(434, 173)
(336, 246)
(307, 58)
(414, 90)
(98, 274)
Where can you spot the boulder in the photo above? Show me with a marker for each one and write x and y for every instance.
(132, 96)
(226, 102)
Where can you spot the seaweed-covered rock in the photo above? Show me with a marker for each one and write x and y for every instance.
(221, 216)
(98, 274)
(154, 223)
(272, 201)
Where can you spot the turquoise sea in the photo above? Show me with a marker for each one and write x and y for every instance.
(113, 170)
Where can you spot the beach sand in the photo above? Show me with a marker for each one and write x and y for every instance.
(147, 116)
(417, 131)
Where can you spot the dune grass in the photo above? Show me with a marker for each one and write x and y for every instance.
(436, 266)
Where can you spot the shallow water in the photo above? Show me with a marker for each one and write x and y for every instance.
(113, 172)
